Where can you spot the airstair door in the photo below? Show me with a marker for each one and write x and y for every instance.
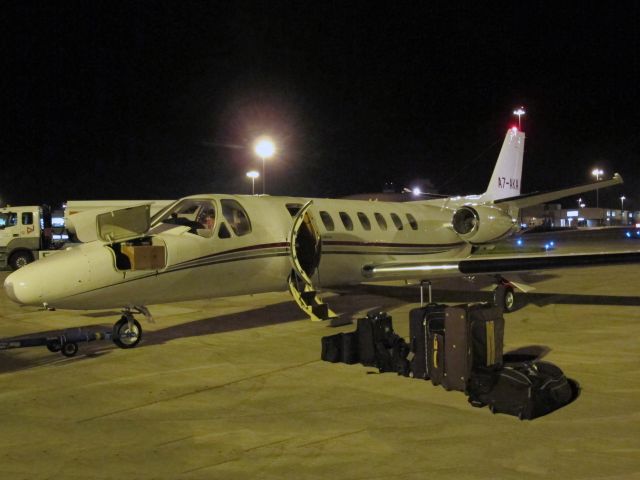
(305, 244)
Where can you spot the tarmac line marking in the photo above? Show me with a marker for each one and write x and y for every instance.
(346, 434)
(196, 392)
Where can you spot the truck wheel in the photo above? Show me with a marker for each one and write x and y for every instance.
(20, 259)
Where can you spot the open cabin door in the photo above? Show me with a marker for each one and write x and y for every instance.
(305, 244)
(305, 247)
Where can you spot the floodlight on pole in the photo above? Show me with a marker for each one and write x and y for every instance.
(519, 112)
(253, 174)
(264, 148)
(596, 172)
(622, 199)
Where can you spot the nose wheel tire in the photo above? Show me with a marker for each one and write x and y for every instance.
(127, 333)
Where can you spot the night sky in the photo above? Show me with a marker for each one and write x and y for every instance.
(141, 99)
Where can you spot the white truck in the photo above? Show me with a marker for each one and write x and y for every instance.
(25, 235)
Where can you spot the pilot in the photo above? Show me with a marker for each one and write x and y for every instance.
(208, 218)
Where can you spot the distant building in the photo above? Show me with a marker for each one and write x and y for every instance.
(553, 215)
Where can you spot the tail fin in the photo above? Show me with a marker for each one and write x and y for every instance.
(505, 181)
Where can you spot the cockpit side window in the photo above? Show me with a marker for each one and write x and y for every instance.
(197, 214)
(236, 217)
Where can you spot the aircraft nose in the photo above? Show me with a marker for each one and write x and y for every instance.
(23, 287)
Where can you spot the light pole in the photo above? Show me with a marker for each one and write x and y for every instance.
(253, 175)
(622, 199)
(519, 112)
(264, 148)
(597, 172)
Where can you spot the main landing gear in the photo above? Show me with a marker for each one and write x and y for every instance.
(504, 295)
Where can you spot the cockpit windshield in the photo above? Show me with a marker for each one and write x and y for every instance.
(197, 214)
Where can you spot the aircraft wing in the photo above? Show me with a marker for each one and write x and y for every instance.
(537, 198)
(490, 264)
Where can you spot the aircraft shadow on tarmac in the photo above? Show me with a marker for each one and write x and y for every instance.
(14, 360)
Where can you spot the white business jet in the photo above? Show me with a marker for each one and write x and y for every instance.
(206, 246)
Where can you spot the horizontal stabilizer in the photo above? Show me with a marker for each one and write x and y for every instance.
(537, 198)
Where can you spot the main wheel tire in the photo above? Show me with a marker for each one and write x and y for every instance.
(20, 259)
(504, 297)
(126, 337)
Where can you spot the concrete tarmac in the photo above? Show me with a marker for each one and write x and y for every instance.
(234, 388)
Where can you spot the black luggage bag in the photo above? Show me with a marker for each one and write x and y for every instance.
(448, 342)
(350, 354)
(487, 335)
(454, 356)
(372, 329)
(332, 348)
(418, 335)
(526, 390)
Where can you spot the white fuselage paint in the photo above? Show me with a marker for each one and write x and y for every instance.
(86, 277)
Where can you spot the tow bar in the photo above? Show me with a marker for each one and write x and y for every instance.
(66, 343)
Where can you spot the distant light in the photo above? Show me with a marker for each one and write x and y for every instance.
(519, 112)
(519, 242)
(416, 191)
(253, 174)
(264, 147)
(552, 243)
(628, 234)
(546, 246)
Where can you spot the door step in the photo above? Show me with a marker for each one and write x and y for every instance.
(309, 301)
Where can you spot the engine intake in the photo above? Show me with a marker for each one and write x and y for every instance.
(482, 224)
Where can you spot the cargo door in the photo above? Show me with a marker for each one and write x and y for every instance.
(123, 224)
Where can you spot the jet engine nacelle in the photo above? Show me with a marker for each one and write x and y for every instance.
(482, 223)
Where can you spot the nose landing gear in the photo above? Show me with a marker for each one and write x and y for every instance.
(127, 331)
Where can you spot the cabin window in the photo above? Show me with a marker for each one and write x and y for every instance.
(364, 221)
(412, 221)
(236, 217)
(327, 221)
(197, 214)
(346, 220)
(396, 221)
(293, 208)
(27, 218)
(382, 223)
